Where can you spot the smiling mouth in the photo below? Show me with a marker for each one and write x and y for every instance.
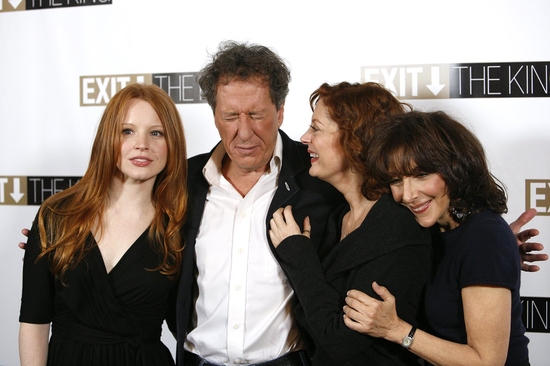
(314, 155)
(420, 209)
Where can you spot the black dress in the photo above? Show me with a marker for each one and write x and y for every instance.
(100, 318)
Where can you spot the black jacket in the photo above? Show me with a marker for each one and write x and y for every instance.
(308, 196)
(390, 248)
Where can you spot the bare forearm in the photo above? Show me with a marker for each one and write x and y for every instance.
(33, 344)
(487, 315)
(488, 332)
(441, 352)
(433, 349)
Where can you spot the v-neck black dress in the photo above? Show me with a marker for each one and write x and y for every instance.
(100, 318)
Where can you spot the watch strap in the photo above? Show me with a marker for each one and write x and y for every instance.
(408, 340)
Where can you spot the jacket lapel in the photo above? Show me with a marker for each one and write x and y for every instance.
(371, 240)
(292, 166)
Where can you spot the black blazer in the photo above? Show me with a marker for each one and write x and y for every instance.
(308, 196)
(390, 248)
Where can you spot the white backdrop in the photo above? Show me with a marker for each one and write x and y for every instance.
(46, 130)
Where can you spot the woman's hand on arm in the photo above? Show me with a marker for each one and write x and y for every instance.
(487, 312)
(368, 315)
(33, 344)
(283, 225)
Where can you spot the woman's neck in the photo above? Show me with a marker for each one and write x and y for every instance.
(133, 195)
(359, 205)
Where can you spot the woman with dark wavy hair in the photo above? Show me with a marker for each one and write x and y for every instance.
(436, 167)
(103, 256)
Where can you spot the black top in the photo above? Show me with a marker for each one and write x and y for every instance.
(481, 251)
(100, 318)
(390, 248)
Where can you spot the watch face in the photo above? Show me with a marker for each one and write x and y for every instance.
(407, 342)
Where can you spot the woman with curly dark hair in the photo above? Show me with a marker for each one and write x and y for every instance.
(436, 167)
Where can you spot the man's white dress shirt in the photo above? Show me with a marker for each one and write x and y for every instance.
(243, 313)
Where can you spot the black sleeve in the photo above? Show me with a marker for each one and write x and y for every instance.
(171, 313)
(37, 301)
(403, 271)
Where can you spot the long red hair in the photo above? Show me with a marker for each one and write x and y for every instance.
(65, 220)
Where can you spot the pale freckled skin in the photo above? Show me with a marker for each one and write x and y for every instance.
(143, 148)
(328, 161)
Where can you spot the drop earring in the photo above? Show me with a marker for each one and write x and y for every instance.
(459, 215)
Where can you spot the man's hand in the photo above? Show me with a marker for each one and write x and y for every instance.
(26, 233)
(525, 248)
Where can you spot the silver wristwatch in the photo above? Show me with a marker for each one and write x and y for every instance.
(408, 340)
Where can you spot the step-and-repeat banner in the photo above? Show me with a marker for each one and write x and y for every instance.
(485, 62)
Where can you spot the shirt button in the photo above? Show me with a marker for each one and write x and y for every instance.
(238, 288)
(236, 326)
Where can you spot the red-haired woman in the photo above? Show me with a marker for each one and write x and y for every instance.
(103, 256)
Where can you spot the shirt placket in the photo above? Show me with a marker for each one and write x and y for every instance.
(238, 285)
